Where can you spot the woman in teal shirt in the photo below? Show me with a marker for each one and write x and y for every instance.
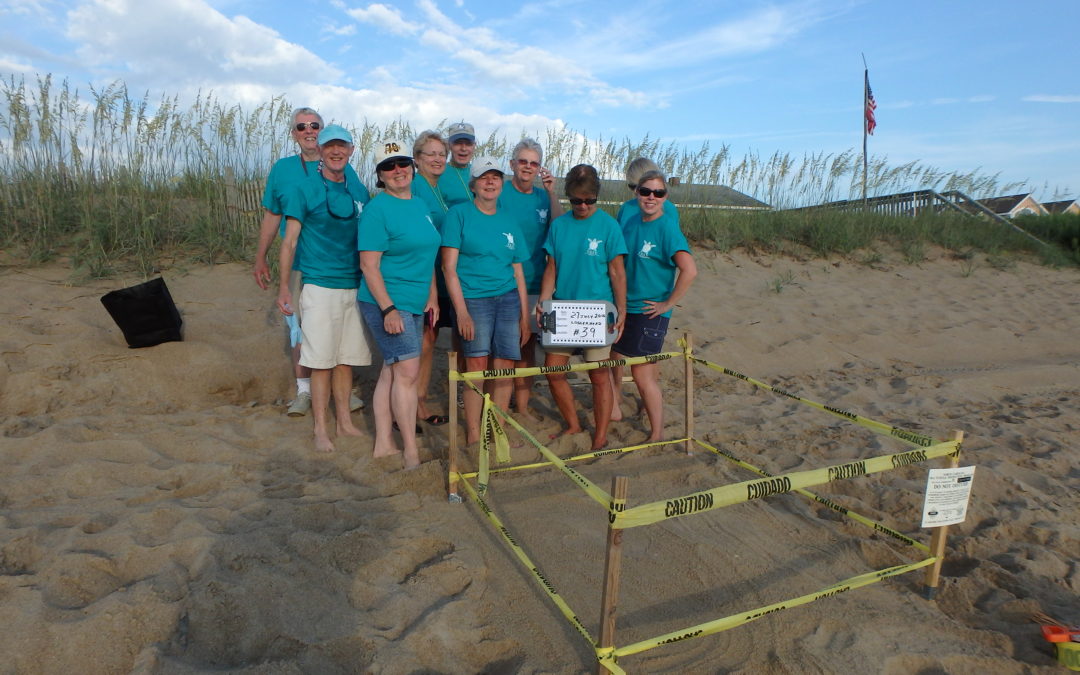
(398, 243)
(482, 254)
(585, 262)
(659, 272)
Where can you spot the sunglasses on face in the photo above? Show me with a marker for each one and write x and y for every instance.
(528, 162)
(301, 126)
(577, 201)
(391, 164)
(645, 192)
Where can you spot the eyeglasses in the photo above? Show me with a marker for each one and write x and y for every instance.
(391, 164)
(301, 126)
(645, 192)
(528, 162)
(576, 201)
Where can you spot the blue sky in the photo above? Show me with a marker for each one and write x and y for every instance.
(961, 85)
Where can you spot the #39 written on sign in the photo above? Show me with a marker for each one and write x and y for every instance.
(577, 323)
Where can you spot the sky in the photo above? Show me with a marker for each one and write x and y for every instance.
(961, 85)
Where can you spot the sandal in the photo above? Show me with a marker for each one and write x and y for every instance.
(436, 420)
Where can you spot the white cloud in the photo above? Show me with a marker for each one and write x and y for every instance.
(342, 31)
(1047, 98)
(387, 18)
(11, 64)
(186, 42)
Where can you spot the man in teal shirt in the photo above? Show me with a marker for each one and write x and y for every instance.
(454, 183)
(284, 176)
(322, 214)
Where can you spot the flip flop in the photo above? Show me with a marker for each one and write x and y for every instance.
(419, 429)
(436, 420)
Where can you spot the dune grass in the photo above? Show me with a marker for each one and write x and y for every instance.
(108, 178)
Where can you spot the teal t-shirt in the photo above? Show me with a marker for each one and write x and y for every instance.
(488, 246)
(454, 184)
(532, 214)
(630, 208)
(437, 207)
(403, 231)
(286, 173)
(650, 265)
(582, 250)
(327, 232)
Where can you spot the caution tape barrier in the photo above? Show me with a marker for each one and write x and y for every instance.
(493, 433)
(745, 491)
(903, 435)
(501, 373)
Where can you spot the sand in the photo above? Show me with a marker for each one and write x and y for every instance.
(160, 514)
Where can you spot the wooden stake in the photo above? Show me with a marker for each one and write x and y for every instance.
(609, 603)
(689, 407)
(937, 539)
(452, 453)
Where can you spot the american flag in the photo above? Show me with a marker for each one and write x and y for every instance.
(871, 104)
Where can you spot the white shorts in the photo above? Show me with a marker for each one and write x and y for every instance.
(334, 334)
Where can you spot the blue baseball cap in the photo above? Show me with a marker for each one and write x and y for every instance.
(334, 132)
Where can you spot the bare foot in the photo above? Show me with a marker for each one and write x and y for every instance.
(599, 443)
(412, 459)
(565, 432)
(387, 450)
(528, 416)
(323, 443)
(616, 413)
(347, 428)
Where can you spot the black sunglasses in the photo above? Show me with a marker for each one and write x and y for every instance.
(578, 202)
(336, 201)
(645, 192)
(301, 126)
(391, 164)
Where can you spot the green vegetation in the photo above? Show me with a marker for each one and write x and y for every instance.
(109, 178)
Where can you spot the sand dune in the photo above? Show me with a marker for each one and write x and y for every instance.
(160, 514)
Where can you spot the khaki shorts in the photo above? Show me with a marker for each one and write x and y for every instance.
(334, 334)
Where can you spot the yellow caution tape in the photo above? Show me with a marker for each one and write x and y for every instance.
(492, 430)
(763, 487)
(743, 618)
(524, 558)
(499, 373)
(904, 435)
(588, 455)
(844, 511)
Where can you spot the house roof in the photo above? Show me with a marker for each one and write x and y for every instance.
(683, 194)
(1002, 205)
(1058, 207)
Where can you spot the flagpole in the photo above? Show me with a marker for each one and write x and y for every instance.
(865, 95)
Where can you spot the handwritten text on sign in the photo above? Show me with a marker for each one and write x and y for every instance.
(579, 323)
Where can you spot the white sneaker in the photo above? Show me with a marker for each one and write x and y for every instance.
(300, 406)
(355, 402)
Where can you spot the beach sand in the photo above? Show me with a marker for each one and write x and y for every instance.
(160, 514)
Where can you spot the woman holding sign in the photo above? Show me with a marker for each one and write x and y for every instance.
(659, 271)
(482, 252)
(585, 262)
(398, 243)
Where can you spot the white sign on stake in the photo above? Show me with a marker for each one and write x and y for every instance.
(947, 494)
(576, 323)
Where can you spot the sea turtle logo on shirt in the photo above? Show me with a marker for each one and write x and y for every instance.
(541, 215)
(646, 246)
(594, 247)
(509, 240)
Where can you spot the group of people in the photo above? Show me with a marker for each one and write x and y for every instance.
(455, 240)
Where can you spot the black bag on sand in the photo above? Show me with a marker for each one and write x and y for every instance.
(145, 313)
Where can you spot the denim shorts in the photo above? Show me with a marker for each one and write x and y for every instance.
(497, 327)
(642, 336)
(401, 347)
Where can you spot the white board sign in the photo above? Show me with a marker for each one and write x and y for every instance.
(576, 323)
(947, 494)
